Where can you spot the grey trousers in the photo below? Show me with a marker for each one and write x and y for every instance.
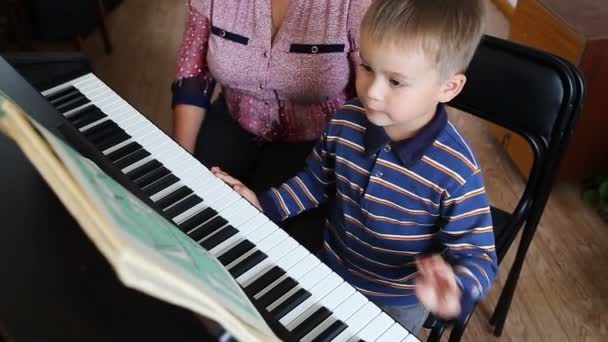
(411, 317)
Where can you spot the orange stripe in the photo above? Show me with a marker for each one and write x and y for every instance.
(396, 207)
(487, 211)
(471, 195)
(293, 195)
(380, 250)
(355, 108)
(281, 201)
(401, 191)
(378, 236)
(339, 160)
(412, 176)
(347, 143)
(348, 124)
(344, 180)
(464, 160)
(466, 248)
(445, 170)
(305, 190)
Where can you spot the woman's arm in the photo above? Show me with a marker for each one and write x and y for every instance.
(193, 85)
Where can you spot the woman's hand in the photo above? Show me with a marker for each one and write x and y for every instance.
(237, 186)
(436, 287)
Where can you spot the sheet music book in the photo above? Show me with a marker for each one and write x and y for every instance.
(145, 250)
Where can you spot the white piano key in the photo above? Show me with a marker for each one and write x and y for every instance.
(348, 307)
(292, 258)
(318, 292)
(357, 321)
(272, 240)
(411, 338)
(330, 301)
(261, 233)
(374, 329)
(395, 333)
(239, 212)
(310, 282)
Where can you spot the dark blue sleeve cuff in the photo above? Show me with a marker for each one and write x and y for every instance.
(268, 206)
(192, 91)
(188, 99)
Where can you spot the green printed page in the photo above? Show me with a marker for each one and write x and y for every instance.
(129, 215)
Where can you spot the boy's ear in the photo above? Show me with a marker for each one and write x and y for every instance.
(452, 87)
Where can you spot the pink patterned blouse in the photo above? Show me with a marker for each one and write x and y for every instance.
(280, 90)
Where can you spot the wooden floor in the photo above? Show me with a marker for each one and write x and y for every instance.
(563, 291)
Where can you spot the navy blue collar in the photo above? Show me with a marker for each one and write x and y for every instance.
(411, 149)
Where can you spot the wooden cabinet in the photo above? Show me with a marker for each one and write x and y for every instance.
(578, 32)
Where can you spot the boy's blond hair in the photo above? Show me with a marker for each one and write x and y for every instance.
(446, 30)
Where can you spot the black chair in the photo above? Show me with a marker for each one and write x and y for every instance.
(538, 96)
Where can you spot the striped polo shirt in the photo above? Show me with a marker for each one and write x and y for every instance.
(393, 201)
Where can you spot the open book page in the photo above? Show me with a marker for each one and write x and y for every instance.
(147, 251)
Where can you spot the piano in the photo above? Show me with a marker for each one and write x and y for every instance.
(300, 297)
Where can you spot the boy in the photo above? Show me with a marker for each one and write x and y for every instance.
(409, 223)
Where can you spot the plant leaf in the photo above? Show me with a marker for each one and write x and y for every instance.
(603, 189)
(592, 196)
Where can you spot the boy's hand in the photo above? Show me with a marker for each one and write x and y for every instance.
(237, 186)
(436, 287)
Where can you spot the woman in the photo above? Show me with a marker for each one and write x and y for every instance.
(284, 67)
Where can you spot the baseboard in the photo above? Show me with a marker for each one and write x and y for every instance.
(505, 7)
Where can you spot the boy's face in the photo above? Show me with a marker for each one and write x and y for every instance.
(400, 87)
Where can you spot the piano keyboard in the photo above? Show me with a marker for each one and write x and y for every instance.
(294, 286)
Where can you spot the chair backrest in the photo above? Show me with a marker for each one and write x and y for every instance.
(532, 93)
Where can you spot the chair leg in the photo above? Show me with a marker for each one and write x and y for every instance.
(501, 310)
(436, 332)
(101, 23)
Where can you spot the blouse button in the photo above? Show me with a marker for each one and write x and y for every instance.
(265, 54)
(222, 33)
(314, 49)
(261, 86)
(379, 174)
(387, 148)
(266, 103)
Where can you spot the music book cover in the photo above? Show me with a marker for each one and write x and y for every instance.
(147, 252)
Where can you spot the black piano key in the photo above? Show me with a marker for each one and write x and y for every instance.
(61, 93)
(98, 129)
(160, 185)
(279, 290)
(248, 263)
(74, 103)
(290, 303)
(109, 130)
(197, 219)
(173, 197)
(182, 206)
(310, 323)
(263, 281)
(85, 116)
(151, 177)
(131, 158)
(235, 252)
(219, 237)
(123, 151)
(143, 169)
(207, 228)
(67, 98)
(331, 332)
(111, 140)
